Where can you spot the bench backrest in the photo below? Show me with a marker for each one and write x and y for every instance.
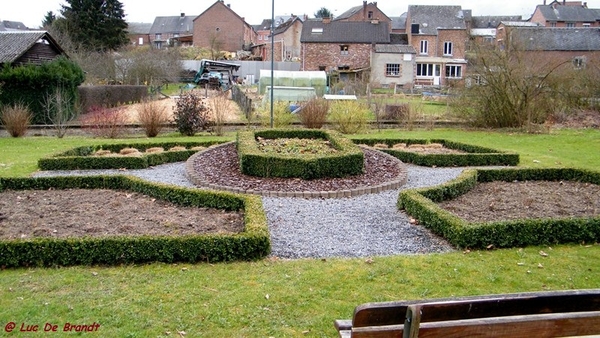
(544, 314)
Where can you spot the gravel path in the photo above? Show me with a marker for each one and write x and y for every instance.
(363, 226)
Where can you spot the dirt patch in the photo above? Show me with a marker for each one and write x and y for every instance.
(500, 201)
(101, 213)
(431, 148)
(232, 112)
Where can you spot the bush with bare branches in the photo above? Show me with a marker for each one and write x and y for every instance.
(105, 122)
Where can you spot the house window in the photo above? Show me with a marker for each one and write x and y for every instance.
(579, 62)
(140, 41)
(392, 69)
(370, 15)
(425, 69)
(448, 48)
(157, 36)
(454, 72)
(424, 47)
(488, 39)
(570, 25)
(553, 24)
(344, 49)
(587, 25)
(260, 37)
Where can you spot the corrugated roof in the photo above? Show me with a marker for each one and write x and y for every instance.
(556, 39)
(568, 13)
(345, 32)
(430, 18)
(395, 49)
(173, 24)
(13, 44)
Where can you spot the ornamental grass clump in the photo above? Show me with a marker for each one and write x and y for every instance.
(152, 116)
(191, 115)
(314, 113)
(16, 119)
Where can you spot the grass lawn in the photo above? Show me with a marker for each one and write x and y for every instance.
(280, 298)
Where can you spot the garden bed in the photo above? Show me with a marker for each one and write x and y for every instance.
(122, 156)
(441, 153)
(510, 207)
(118, 233)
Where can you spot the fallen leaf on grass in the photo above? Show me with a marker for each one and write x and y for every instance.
(543, 254)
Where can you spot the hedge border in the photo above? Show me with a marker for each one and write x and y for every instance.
(421, 204)
(475, 155)
(251, 244)
(349, 160)
(79, 158)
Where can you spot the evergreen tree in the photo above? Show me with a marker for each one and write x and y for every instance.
(48, 20)
(95, 24)
(323, 13)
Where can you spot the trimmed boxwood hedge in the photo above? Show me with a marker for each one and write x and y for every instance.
(80, 158)
(347, 161)
(252, 244)
(475, 155)
(421, 204)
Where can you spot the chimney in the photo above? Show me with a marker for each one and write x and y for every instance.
(585, 5)
(375, 3)
(229, 5)
(326, 20)
(364, 11)
(544, 2)
(183, 15)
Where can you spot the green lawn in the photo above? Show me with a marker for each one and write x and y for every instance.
(287, 298)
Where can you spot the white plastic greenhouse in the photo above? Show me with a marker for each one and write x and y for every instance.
(314, 79)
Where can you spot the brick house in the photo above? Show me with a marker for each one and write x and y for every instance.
(19, 48)
(342, 48)
(220, 28)
(365, 13)
(166, 30)
(566, 14)
(439, 35)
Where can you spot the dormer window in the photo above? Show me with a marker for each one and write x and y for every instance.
(317, 31)
(370, 15)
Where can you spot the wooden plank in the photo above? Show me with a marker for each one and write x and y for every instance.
(510, 306)
(378, 314)
(386, 331)
(545, 325)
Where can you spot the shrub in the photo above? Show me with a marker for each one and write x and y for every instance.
(349, 117)
(31, 83)
(396, 112)
(281, 114)
(191, 115)
(314, 114)
(152, 115)
(60, 110)
(16, 119)
(105, 122)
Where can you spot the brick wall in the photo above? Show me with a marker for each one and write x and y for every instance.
(219, 23)
(329, 56)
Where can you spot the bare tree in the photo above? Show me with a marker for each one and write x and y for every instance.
(60, 110)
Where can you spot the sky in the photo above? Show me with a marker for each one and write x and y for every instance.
(31, 12)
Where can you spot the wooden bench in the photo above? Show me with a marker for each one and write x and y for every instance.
(539, 314)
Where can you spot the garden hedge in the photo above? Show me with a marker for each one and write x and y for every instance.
(348, 160)
(421, 204)
(252, 244)
(80, 158)
(473, 156)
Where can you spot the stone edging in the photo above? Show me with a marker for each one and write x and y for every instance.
(395, 183)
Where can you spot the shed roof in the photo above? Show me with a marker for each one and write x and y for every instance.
(13, 44)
